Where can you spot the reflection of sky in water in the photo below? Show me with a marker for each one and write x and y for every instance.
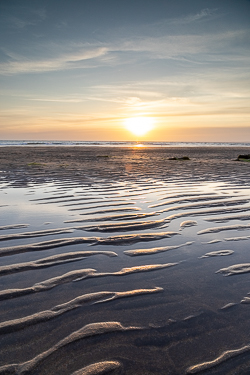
(20, 210)
(190, 287)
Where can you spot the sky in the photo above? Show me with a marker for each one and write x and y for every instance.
(86, 69)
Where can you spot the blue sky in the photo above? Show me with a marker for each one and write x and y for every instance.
(78, 69)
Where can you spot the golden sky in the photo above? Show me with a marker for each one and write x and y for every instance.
(87, 70)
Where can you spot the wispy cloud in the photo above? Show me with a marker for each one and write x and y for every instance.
(203, 15)
(191, 93)
(172, 46)
(27, 17)
(58, 100)
(61, 62)
(187, 48)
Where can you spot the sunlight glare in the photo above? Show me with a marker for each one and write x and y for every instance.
(139, 145)
(139, 125)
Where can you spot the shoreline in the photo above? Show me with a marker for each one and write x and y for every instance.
(46, 163)
(126, 144)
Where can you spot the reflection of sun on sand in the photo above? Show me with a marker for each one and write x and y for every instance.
(139, 125)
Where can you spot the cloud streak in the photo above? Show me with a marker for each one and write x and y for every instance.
(63, 62)
(189, 48)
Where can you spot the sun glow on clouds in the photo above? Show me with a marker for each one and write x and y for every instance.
(139, 126)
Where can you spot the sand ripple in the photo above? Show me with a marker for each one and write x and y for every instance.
(241, 238)
(42, 316)
(101, 205)
(245, 299)
(51, 261)
(77, 275)
(114, 240)
(154, 250)
(224, 202)
(99, 368)
(35, 234)
(217, 253)
(45, 245)
(228, 227)
(235, 269)
(133, 238)
(224, 219)
(111, 210)
(135, 225)
(13, 226)
(196, 198)
(204, 212)
(222, 358)
(188, 223)
(89, 330)
(114, 217)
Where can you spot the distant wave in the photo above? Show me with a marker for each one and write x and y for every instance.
(4, 143)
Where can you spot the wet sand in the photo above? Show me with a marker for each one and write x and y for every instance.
(121, 261)
(22, 164)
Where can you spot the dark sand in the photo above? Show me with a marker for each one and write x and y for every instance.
(22, 164)
(121, 261)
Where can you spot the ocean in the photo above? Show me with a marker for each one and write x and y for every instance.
(121, 144)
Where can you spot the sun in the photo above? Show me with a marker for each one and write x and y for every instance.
(139, 126)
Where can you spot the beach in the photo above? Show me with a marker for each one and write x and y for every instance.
(121, 163)
(124, 260)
